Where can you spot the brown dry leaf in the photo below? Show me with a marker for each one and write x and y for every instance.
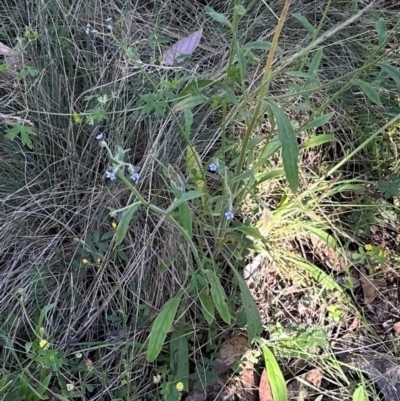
(327, 255)
(265, 392)
(232, 349)
(369, 288)
(396, 327)
(297, 390)
(249, 381)
(354, 325)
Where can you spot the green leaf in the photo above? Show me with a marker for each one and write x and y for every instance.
(179, 360)
(186, 218)
(207, 307)
(42, 316)
(321, 234)
(318, 122)
(187, 196)
(161, 327)
(290, 148)
(24, 131)
(369, 91)
(304, 21)
(381, 29)
(252, 232)
(392, 71)
(275, 376)
(257, 45)
(125, 221)
(240, 9)
(190, 102)
(242, 63)
(217, 16)
(319, 140)
(359, 394)
(218, 296)
(315, 62)
(254, 325)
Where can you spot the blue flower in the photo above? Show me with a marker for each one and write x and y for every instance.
(213, 167)
(111, 175)
(135, 177)
(229, 215)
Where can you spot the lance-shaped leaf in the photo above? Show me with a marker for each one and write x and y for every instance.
(182, 47)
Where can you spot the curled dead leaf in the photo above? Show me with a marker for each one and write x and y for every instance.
(231, 350)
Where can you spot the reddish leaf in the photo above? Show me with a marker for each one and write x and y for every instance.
(182, 47)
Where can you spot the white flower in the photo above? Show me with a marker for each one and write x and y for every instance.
(88, 29)
(70, 387)
(79, 355)
(100, 136)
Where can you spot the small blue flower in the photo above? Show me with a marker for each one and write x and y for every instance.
(213, 167)
(111, 175)
(135, 177)
(229, 215)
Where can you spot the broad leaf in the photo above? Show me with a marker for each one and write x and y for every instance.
(187, 196)
(125, 221)
(190, 102)
(207, 307)
(392, 71)
(369, 91)
(275, 376)
(318, 122)
(254, 325)
(218, 296)
(179, 357)
(381, 29)
(182, 47)
(217, 16)
(290, 148)
(162, 326)
(304, 21)
(359, 394)
(319, 140)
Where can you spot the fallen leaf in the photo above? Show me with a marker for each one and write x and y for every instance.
(232, 349)
(369, 288)
(297, 390)
(249, 380)
(265, 392)
(182, 47)
(354, 325)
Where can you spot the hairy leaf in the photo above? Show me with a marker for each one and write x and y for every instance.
(161, 327)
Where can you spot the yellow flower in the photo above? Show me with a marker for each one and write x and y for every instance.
(180, 386)
(368, 247)
(85, 261)
(124, 382)
(114, 225)
(43, 344)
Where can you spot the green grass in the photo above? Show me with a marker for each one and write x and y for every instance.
(128, 288)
